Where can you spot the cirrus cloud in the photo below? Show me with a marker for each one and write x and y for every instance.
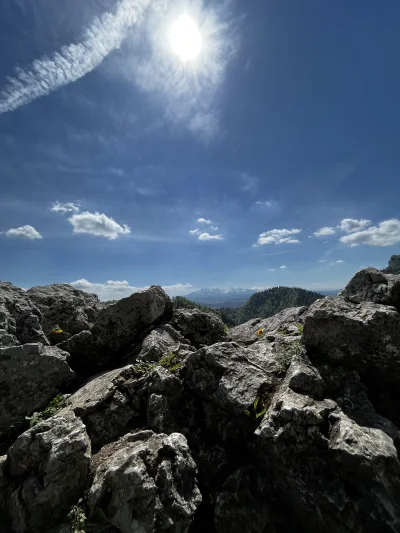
(68, 207)
(25, 232)
(98, 224)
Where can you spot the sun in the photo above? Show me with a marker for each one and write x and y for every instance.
(185, 39)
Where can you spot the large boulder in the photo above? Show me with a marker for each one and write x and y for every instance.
(363, 336)
(199, 327)
(333, 460)
(372, 285)
(159, 343)
(62, 305)
(146, 482)
(47, 469)
(20, 320)
(288, 321)
(30, 376)
(119, 328)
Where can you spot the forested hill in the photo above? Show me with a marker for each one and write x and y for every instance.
(260, 305)
(393, 266)
(271, 301)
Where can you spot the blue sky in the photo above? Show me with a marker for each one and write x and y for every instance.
(124, 163)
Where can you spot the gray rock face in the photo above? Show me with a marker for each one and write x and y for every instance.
(161, 341)
(47, 468)
(30, 376)
(286, 321)
(371, 285)
(337, 467)
(199, 327)
(118, 327)
(20, 320)
(363, 336)
(146, 482)
(71, 309)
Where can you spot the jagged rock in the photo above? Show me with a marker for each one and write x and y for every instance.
(30, 376)
(304, 378)
(372, 285)
(363, 336)
(393, 266)
(230, 377)
(199, 327)
(47, 468)
(339, 471)
(71, 309)
(20, 320)
(118, 327)
(286, 321)
(146, 482)
(165, 398)
(161, 341)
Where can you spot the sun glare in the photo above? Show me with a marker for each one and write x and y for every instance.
(185, 38)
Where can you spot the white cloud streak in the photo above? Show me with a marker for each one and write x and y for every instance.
(98, 224)
(115, 290)
(204, 221)
(208, 237)
(279, 236)
(322, 232)
(387, 233)
(24, 232)
(74, 61)
(283, 266)
(351, 225)
(68, 207)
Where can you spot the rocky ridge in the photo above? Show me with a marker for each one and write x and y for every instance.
(163, 421)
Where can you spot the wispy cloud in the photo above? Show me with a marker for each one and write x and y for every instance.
(115, 290)
(283, 266)
(279, 236)
(248, 182)
(25, 232)
(74, 61)
(98, 224)
(68, 207)
(387, 233)
(204, 221)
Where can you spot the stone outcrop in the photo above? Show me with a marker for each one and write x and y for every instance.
(30, 376)
(146, 482)
(287, 424)
(371, 285)
(118, 328)
(72, 310)
(46, 472)
(20, 320)
(199, 327)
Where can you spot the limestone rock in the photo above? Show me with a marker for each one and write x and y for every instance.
(363, 336)
(199, 327)
(47, 468)
(161, 341)
(71, 309)
(30, 376)
(20, 320)
(286, 321)
(372, 285)
(146, 482)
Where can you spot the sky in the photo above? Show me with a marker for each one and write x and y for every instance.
(197, 144)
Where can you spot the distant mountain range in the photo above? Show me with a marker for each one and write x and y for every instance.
(235, 297)
(221, 297)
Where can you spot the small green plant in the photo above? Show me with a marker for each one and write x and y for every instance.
(300, 327)
(139, 370)
(77, 517)
(53, 407)
(256, 411)
(284, 333)
(171, 362)
(291, 350)
(226, 328)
